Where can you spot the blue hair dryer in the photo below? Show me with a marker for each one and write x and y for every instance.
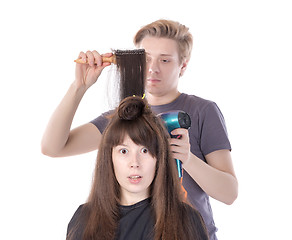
(173, 120)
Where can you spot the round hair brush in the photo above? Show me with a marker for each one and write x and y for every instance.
(117, 55)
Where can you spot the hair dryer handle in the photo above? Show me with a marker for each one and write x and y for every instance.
(179, 167)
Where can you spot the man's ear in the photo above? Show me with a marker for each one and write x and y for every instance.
(183, 67)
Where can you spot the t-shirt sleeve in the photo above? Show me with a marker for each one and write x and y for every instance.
(214, 134)
(102, 121)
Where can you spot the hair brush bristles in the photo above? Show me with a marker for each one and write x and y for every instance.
(116, 53)
(126, 52)
(131, 65)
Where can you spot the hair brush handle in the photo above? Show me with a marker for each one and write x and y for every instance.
(111, 59)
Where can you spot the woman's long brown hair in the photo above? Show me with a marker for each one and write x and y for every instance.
(101, 214)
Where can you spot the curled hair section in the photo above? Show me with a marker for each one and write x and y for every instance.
(131, 108)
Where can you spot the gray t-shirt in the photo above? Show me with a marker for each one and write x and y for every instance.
(207, 134)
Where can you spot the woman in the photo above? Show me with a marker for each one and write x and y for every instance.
(136, 193)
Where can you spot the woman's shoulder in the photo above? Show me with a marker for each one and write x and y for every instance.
(77, 214)
(76, 225)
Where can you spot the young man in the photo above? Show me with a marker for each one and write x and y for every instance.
(204, 150)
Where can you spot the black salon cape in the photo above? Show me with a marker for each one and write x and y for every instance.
(136, 222)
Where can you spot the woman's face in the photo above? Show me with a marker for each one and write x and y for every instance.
(134, 168)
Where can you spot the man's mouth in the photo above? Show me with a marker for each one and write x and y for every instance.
(153, 80)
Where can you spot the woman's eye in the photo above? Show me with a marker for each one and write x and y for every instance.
(144, 150)
(123, 151)
(164, 60)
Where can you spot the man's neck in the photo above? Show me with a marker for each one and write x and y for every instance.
(156, 100)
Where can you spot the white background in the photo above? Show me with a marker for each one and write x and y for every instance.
(242, 60)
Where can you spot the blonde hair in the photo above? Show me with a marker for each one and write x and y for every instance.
(168, 29)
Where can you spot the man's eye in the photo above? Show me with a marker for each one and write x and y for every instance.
(123, 151)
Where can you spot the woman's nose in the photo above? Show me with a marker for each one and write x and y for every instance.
(135, 162)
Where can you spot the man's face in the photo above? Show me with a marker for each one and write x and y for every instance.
(163, 65)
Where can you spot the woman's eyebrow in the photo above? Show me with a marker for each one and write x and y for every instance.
(122, 145)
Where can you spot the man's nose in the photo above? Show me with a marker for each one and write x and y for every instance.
(153, 66)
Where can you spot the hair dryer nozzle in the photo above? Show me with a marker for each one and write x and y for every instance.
(175, 119)
(184, 120)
